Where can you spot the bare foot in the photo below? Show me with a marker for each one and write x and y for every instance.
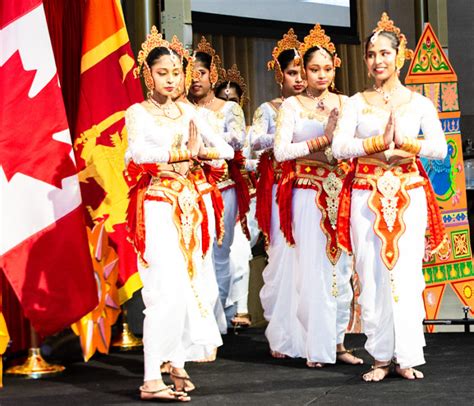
(241, 320)
(347, 357)
(276, 354)
(157, 390)
(409, 373)
(378, 372)
(211, 358)
(310, 364)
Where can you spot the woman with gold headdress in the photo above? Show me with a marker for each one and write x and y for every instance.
(388, 202)
(286, 63)
(227, 119)
(166, 218)
(231, 86)
(308, 199)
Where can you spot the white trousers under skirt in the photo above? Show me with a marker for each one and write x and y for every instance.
(393, 329)
(174, 329)
(307, 320)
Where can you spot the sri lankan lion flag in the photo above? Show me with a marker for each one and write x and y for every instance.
(107, 89)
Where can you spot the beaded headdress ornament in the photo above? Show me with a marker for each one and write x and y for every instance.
(289, 41)
(387, 25)
(153, 40)
(318, 38)
(179, 48)
(233, 75)
(206, 48)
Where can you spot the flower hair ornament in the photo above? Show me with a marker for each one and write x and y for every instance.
(387, 25)
(318, 38)
(153, 40)
(205, 47)
(289, 41)
(177, 46)
(233, 75)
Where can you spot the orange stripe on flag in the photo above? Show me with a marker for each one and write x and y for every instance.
(104, 33)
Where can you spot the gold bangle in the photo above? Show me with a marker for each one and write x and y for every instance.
(411, 145)
(374, 144)
(212, 153)
(317, 144)
(179, 155)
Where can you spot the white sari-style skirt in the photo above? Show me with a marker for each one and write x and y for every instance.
(179, 321)
(393, 328)
(306, 320)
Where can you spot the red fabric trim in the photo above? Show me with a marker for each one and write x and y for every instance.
(344, 212)
(213, 175)
(241, 188)
(265, 182)
(284, 199)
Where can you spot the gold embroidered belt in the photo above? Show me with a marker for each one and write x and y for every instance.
(327, 181)
(389, 199)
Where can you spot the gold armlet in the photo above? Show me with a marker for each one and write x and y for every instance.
(374, 144)
(211, 153)
(411, 145)
(317, 144)
(179, 155)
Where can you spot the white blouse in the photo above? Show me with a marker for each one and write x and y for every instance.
(360, 120)
(295, 125)
(151, 137)
(262, 131)
(228, 123)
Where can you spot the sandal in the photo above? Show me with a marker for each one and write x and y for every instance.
(370, 376)
(168, 394)
(350, 352)
(415, 374)
(182, 382)
(241, 320)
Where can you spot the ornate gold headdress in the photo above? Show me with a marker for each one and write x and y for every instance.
(179, 48)
(318, 38)
(233, 75)
(206, 48)
(387, 25)
(289, 41)
(153, 40)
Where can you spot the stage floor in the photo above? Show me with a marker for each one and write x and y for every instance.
(245, 374)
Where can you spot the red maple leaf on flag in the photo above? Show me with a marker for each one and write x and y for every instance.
(28, 125)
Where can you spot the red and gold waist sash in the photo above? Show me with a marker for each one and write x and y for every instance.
(206, 183)
(388, 200)
(150, 182)
(327, 180)
(269, 173)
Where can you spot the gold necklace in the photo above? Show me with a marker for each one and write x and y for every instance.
(166, 110)
(386, 95)
(319, 100)
(209, 102)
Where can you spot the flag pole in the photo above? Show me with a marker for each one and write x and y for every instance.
(35, 366)
(126, 341)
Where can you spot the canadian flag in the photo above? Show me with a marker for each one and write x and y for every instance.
(43, 244)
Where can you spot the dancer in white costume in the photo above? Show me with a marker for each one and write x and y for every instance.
(286, 63)
(321, 272)
(391, 197)
(227, 119)
(232, 87)
(165, 217)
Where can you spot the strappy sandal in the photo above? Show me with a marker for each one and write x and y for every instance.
(241, 320)
(386, 368)
(416, 374)
(182, 383)
(350, 352)
(173, 396)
